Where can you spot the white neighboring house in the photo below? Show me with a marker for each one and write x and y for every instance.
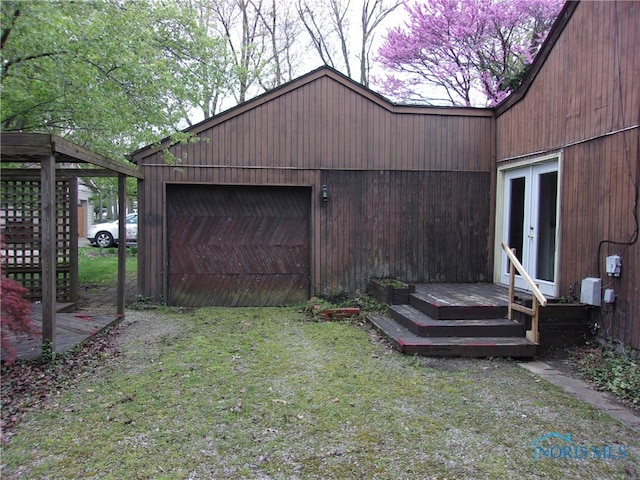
(85, 206)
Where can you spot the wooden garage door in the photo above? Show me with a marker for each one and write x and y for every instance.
(238, 246)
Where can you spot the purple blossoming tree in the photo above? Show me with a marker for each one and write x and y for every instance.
(475, 51)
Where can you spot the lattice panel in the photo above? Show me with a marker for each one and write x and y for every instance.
(21, 235)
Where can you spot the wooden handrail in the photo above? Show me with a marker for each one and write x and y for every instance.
(538, 297)
(523, 273)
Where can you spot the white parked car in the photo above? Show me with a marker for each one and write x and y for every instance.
(106, 234)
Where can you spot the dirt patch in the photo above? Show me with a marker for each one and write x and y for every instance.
(145, 328)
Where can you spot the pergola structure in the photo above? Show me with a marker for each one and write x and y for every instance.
(39, 216)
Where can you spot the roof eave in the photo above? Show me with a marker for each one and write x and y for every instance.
(554, 34)
(324, 71)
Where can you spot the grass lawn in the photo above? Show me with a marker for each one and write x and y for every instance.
(265, 393)
(99, 266)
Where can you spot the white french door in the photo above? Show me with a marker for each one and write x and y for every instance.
(530, 221)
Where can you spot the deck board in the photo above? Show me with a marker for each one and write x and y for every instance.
(453, 320)
(449, 301)
(464, 294)
(423, 325)
(411, 344)
(71, 330)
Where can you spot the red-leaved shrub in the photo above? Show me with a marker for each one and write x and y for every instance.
(15, 314)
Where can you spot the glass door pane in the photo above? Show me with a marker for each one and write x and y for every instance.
(530, 222)
(515, 235)
(546, 228)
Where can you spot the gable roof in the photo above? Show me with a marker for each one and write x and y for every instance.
(314, 75)
(533, 70)
(326, 71)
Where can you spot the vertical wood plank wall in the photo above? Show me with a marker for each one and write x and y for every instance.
(585, 102)
(396, 177)
(598, 206)
(408, 225)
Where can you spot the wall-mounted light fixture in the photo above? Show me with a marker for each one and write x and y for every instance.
(324, 193)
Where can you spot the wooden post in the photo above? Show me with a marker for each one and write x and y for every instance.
(73, 239)
(538, 297)
(534, 320)
(48, 237)
(122, 241)
(512, 286)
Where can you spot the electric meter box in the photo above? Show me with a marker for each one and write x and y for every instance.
(590, 291)
(613, 265)
(609, 295)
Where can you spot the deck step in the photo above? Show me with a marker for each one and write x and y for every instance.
(66, 307)
(445, 301)
(467, 346)
(422, 325)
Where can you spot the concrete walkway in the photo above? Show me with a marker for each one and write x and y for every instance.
(584, 392)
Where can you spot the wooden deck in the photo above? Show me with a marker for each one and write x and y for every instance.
(455, 320)
(461, 300)
(71, 329)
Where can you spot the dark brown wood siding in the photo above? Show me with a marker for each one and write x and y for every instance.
(324, 129)
(587, 87)
(598, 220)
(325, 125)
(585, 104)
(238, 246)
(413, 226)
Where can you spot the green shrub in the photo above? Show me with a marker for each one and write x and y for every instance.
(611, 369)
